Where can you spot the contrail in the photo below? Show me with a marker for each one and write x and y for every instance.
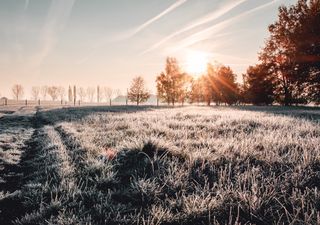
(131, 33)
(210, 17)
(157, 17)
(202, 35)
(26, 4)
(57, 17)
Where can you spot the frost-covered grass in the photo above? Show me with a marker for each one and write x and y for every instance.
(192, 165)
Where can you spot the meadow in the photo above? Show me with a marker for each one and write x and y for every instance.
(183, 165)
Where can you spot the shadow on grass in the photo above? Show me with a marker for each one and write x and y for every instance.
(300, 112)
(69, 114)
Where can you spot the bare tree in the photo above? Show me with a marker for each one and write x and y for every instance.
(117, 92)
(61, 93)
(17, 91)
(137, 92)
(91, 93)
(53, 91)
(35, 92)
(107, 93)
(82, 94)
(44, 92)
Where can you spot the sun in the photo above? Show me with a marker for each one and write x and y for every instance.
(196, 62)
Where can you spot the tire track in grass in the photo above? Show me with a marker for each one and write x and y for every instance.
(47, 182)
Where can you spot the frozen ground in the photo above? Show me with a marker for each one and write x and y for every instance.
(192, 165)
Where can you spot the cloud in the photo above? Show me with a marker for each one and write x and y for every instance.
(130, 33)
(209, 31)
(208, 18)
(26, 4)
(157, 17)
(58, 15)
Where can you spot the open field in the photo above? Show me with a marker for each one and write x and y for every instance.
(190, 165)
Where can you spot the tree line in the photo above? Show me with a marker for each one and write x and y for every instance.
(288, 71)
(72, 94)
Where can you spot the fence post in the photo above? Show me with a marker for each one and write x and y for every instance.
(6, 102)
(26, 102)
(110, 101)
(157, 101)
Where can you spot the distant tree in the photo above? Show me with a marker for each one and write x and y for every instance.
(197, 90)
(44, 92)
(35, 92)
(53, 92)
(137, 92)
(117, 92)
(258, 85)
(74, 94)
(211, 92)
(98, 94)
(107, 93)
(91, 93)
(61, 93)
(82, 94)
(185, 89)
(171, 83)
(227, 86)
(17, 91)
(70, 94)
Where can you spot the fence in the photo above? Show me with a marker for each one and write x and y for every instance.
(26, 102)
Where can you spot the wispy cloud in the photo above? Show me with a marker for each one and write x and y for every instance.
(208, 18)
(212, 30)
(26, 4)
(56, 20)
(157, 17)
(130, 33)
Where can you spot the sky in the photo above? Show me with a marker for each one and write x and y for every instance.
(109, 42)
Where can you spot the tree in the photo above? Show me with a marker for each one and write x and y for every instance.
(53, 91)
(44, 92)
(70, 94)
(258, 85)
(91, 93)
(292, 52)
(17, 91)
(61, 93)
(82, 94)
(107, 93)
(226, 85)
(197, 90)
(35, 92)
(171, 83)
(74, 94)
(211, 91)
(98, 94)
(137, 92)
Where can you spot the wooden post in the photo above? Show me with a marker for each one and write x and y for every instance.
(5, 101)
(157, 101)
(26, 102)
(127, 97)
(110, 101)
(38, 101)
(79, 102)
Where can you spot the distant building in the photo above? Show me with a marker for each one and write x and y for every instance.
(3, 100)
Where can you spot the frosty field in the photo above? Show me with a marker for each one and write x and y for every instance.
(184, 165)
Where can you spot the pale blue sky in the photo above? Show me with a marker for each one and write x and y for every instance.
(108, 42)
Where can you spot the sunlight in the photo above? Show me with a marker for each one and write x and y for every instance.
(196, 62)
